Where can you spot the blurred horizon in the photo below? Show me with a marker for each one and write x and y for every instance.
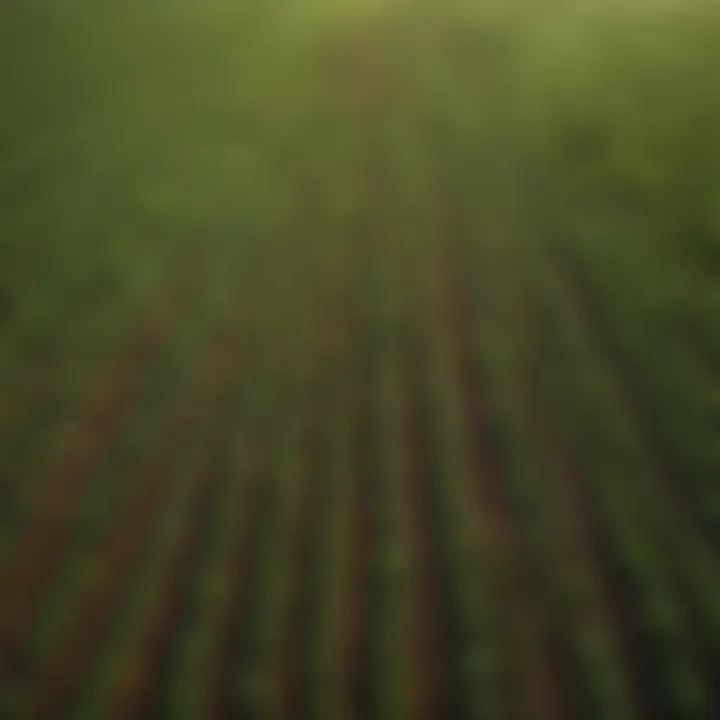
(360, 359)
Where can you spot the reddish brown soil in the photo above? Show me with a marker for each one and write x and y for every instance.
(162, 624)
(221, 699)
(665, 480)
(22, 584)
(298, 632)
(123, 546)
(433, 650)
(529, 688)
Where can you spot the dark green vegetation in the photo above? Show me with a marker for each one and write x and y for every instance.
(360, 361)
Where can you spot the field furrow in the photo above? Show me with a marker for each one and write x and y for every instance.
(358, 360)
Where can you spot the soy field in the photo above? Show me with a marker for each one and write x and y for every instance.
(360, 359)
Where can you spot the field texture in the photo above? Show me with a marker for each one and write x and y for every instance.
(360, 359)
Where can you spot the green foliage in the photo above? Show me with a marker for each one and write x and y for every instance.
(311, 170)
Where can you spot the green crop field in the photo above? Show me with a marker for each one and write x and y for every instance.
(360, 359)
